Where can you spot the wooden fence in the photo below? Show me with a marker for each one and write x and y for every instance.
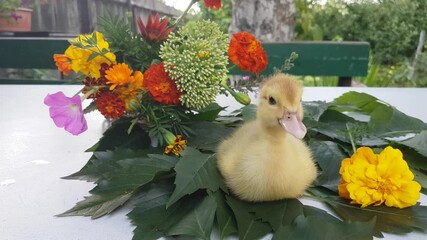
(80, 16)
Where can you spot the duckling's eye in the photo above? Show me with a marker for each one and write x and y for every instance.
(271, 101)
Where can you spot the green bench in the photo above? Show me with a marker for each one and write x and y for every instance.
(342, 59)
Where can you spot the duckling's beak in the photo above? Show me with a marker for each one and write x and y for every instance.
(293, 125)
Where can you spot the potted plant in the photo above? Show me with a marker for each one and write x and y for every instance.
(15, 15)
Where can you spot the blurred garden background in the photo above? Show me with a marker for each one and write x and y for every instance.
(395, 29)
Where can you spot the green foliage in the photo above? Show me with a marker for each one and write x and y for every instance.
(128, 48)
(195, 171)
(8, 6)
(222, 17)
(186, 196)
(391, 26)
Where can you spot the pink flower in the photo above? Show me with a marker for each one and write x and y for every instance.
(66, 112)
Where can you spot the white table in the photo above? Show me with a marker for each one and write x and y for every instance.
(34, 154)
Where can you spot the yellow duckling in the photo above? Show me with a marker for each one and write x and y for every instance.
(266, 159)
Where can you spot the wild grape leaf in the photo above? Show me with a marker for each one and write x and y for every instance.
(413, 158)
(316, 227)
(249, 112)
(191, 216)
(103, 162)
(198, 222)
(419, 143)
(150, 216)
(98, 205)
(194, 171)
(116, 136)
(118, 185)
(208, 135)
(278, 213)
(388, 219)
(333, 130)
(224, 216)
(209, 113)
(329, 157)
(385, 120)
(314, 109)
(249, 226)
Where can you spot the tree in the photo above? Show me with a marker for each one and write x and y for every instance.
(268, 20)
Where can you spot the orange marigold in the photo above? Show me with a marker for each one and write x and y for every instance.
(110, 105)
(176, 146)
(247, 53)
(130, 91)
(161, 86)
(119, 74)
(213, 3)
(63, 63)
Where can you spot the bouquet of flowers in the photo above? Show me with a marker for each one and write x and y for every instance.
(159, 88)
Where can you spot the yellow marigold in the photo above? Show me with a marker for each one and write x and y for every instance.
(368, 178)
(81, 50)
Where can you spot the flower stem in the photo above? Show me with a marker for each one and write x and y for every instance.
(88, 93)
(353, 145)
(185, 12)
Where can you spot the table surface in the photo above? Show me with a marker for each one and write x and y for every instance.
(34, 155)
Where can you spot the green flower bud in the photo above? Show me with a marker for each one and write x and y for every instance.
(242, 98)
(134, 105)
(168, 136)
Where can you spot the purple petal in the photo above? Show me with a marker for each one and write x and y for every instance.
(66, 112)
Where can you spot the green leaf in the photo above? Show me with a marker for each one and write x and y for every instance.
(278, 213)
(208, 135)
(329, 157)
(98, 205)
(116, 136)
(150, 215)
(191, 216)
(209, 113)
(389, 219)
(316, 228)
(249, 112)
(194, 171)
(413, 158)
(198, 222)
(92, 56)
(385, 120)
(249, 226)
(224, 216)
(120, 181)
(419, 143)
(314, 109)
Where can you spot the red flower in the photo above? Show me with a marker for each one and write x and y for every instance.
(161, 86)
(110, 105)
(154, 31)
(247, 52)
(213, 3)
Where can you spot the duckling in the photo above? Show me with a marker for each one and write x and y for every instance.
(266, 159)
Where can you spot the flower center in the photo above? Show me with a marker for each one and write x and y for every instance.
(163, 87)
(385, 186)
(74, 107)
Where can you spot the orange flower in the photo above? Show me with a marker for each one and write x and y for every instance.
(213, 3)
(176, 146)
(110, 105)
(119, 74)
(161, 86)
(63, 63)
(247, 52)
(131, 91)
